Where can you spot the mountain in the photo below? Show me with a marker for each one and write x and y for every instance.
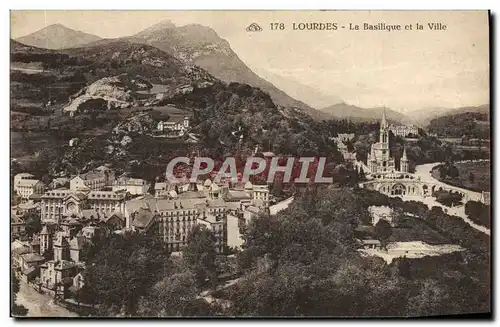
(57, 36)
(347, 111)
(459, 123)
(202, 46)
(310, 95)
(41, 76)
(424, 116)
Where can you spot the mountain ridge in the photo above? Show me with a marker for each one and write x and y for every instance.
(56, 37)
(347, 111)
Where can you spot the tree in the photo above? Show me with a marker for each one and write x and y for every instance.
(33, 224)
(383, 231)
(174, 295)
(16, 309)
(472, 177)
(200, 255)
(362, 176)
(123, 270)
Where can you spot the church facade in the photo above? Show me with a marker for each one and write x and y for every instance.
(379, 159)
(382, 173)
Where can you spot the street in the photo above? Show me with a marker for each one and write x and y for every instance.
(40, 305)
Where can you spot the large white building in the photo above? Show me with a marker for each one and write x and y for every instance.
(59, 203)
(25, 185)
(403, 130)
(134, 186)
(174, 127)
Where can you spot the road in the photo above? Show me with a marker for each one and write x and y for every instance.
(424, 171)
(40, 305)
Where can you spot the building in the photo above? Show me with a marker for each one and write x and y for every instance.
(218, 226)
(379, 160)
(404, 130)
(371, 244)
(134, 186)
(58, 275)
(486, 197)
(29, 265)
(21, 176)
(174, 127)
(59, 182)
(27, 187)
(17, 226)
(384, 178)
(73, 142)
(94, 180)
(60, 203)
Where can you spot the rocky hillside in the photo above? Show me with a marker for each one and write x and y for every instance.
(201, 46)
(57, 36)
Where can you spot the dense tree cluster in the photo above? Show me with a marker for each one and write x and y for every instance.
(478, 212)
(465, 124)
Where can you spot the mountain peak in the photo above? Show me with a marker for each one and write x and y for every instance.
(57, 36)
(161, 25)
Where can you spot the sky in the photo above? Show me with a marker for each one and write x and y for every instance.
(404, 70)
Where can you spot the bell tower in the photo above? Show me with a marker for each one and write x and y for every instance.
(404, 164)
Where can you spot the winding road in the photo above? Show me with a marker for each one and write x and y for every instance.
(424, 171)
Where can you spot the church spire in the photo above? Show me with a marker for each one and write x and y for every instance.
(383, 123)
(404, 154)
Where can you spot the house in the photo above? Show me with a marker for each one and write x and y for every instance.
(73, 142)
(58, 275)
(134, 186)
(94, 180)
(250, 212)
(17, 251)
(17, 226)
(174, 127)
(21, 176)
(143, 221)
(59, 182)
(218, 225)
(29, 266)
(113, 222)
(26, 187)
(371, 244)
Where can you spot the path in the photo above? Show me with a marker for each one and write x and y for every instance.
(274, 209)
(40, 305)
(414, 249)
(424, 171)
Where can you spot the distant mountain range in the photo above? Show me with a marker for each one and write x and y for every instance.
(201, 46)
(425, 115)
(347, 111)
(56, 37)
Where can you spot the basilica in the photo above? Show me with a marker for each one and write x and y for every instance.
(382, 173)
(379, 159)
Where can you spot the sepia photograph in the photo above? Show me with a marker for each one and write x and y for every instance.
(250, 164)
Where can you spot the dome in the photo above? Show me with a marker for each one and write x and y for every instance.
(172, 194)
(207, 182)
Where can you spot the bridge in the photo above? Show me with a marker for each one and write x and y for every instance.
(425, 174)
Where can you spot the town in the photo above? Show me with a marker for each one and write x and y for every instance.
(155, 174)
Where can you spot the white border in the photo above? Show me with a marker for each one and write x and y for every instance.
(186, 5)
